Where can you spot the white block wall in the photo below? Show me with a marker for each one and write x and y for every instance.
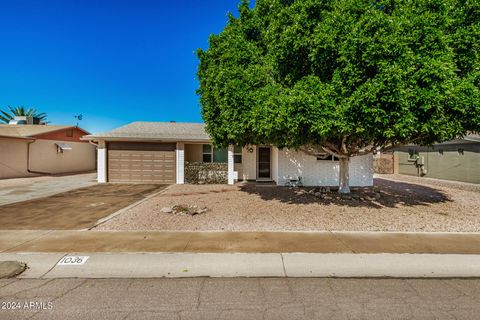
(321, 173)
(180, 159)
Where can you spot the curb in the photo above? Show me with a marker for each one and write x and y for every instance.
(304, 265)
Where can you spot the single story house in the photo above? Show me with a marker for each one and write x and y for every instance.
(33, 149)
(457, 160)
(156, 152)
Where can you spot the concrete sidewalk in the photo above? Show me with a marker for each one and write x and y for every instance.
(243, 254)
(40, 241)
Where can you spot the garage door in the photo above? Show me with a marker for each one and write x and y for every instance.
(141, 162)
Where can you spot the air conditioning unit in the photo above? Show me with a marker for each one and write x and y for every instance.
(25, 120)
(421, 161)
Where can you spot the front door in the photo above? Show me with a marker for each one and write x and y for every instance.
(263, 163)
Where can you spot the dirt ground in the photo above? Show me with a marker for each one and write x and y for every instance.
(406, 204)
(77, 209)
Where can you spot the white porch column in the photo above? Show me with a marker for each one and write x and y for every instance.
(231, 177)
(180, 156)
(102, 162)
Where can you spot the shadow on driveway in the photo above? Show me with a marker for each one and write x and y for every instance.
(392, 193)
(72, 210)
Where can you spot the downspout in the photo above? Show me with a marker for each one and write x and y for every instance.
(28, 160)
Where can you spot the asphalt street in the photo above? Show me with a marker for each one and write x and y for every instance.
(240, 298)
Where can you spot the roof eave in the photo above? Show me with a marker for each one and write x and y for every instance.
(140, 139)
(60, 129)
(18, 137)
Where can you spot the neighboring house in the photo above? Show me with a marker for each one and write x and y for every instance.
(457, 160)
(27, 150)
(157, 152)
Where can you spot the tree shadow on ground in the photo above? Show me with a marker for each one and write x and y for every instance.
(384, 193)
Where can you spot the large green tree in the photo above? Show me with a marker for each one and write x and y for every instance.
(343, 76)
(6, 116)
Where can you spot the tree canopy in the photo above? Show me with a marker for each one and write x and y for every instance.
(350, 75)
(343, 76)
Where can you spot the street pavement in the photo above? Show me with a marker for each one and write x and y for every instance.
(240, 298)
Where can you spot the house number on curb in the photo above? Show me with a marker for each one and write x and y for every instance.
(73, 260)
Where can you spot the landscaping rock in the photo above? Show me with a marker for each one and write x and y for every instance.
(188, 210)
(166, 210)
(9, 269)
(301, 192)
(325, 189)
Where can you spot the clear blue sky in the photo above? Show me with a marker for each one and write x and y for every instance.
(112, 61)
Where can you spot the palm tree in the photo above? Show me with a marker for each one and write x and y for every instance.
(6, 116)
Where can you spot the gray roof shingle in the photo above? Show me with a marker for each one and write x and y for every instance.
(169, 131)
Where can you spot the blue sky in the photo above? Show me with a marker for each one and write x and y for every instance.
(112, 61)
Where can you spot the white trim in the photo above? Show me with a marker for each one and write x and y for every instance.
(231, 165)
(102, 162)
(180, 159)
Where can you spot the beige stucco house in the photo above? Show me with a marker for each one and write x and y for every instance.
(28, 150)
(457, 160)
(157, 152)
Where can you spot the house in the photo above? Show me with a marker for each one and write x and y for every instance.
(32, 149)
(156, 152)
(457, 160)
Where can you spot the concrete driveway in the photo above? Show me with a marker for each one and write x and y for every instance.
(74, 209)
(22, 189)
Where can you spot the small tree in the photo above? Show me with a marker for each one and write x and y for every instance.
(6, 116)
(343, 76)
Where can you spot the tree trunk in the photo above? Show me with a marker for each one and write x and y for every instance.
(343, 176)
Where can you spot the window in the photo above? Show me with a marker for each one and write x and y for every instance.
(220, 155)
(237, 154)
(69, 132)
(211, 154)
(326, 157)
(412, 155)
(207, 153)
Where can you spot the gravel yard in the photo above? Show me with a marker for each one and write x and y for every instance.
(406, 204)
